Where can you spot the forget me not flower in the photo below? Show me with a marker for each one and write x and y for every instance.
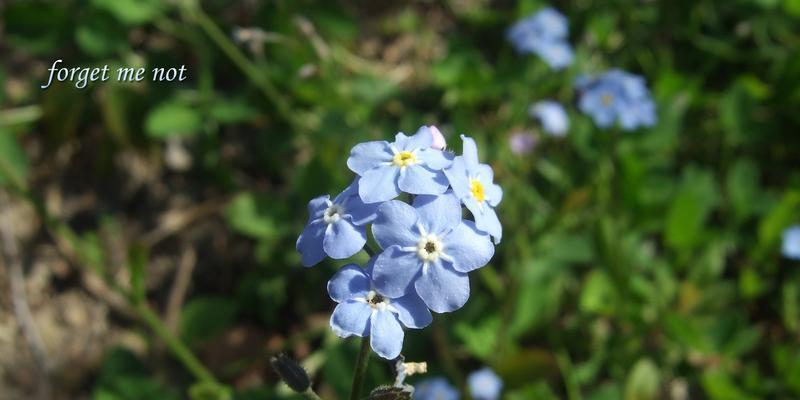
(428, 249)
(484, 384)
(335, 228)
(435, 389)
(617, 96)
(545, 34)
(366, 311)
(522, 142)
(473, 183)
(791, 242)
(552, 116)
(409, 164)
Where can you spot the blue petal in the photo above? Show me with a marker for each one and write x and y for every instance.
(435, 159)
(386, 336)
(396, 224)
(379, 184)
(351, 318)
(470, 153)
(366, 156)
(360, 213)
(442, 288)
(469, 248)
(419, 179)
(350, 282)
(343, 239)
(309, 244)
(439, 214)
(395, 271)
(485, 174)
(412, 311)
(457, 176)
(420, 140)
(317, 207)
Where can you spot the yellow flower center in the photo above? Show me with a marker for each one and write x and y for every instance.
(607, 99)
(477, 190)
(404, 159)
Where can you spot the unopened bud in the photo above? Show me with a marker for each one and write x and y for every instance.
(389, 393)
(292, 373)
(438, 139)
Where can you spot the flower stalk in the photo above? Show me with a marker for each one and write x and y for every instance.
(361, 369)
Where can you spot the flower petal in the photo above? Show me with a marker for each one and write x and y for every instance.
(386, 336)
(442, 288)
(420, 140)
(309, 244)
(360, 213)
(396, 224)
(317, 207)
(366, 156)
(351, 318)
(394, 271)
(412, 311)
(439, 214)
(379, 184)
(435, 159)
(469, 248)
(494, 194)
(457, 176)
(343, 239)
(351, 281)
(419, 179)
(470, 153)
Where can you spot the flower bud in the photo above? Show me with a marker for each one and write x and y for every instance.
(292, 373)
(389, 393)
(438, 139)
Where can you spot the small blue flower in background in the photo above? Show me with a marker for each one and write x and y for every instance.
(484, 384)
(522, 143)
(544, 34)
(428, 249)
(365, 311)
(791, 243)
(409, 164)
(552, 116)
(335, 228)
(435, 389)
(617, 96)
(473, 184)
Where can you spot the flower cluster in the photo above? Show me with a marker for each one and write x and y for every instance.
(426, 246)
(616, 96)
(545, 34)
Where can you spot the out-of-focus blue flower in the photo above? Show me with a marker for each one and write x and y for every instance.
(336, 228)
(473, 184)
(435, 389)
(365, 311)
(552, 116)
(522, 143)
(791, 243)
(544, 34)
(484, 384)
(617, 96)
(429, 249)
(409, 164)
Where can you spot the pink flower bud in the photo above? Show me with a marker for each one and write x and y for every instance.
(438, 139)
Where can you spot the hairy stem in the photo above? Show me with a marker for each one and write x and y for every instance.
(361, 369)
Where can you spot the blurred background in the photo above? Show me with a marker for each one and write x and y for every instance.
(148, 229)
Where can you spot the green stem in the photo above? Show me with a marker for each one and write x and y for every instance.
(446, 356)
(20, 115)
(311, 394)
(565, 365)
(361, 369)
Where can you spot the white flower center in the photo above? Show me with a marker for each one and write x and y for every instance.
(376, 301)
(429, 248)
(333, 213)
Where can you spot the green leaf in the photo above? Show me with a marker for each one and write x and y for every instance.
(203, 318)
(480, 339)
(598, 294)
(719, 386)
(249, 214)
(13, 161)
(38, 27)
(132, 12)
(643, 381)
(100, 36)
(137, 262)
(791, 306)
(124, 377)
(743, 188)
(230, 111)
(690, 209)
(173, 118)
(209, 391)
(780, 217)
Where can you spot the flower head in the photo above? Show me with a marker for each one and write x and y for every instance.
(545, 34)
(428, 249)
(617, 96)
(364, 310)
(791, 243)
(552, 116)
(409, 164)
(435, 389)
(473, 184)
(335, 228)
(484, 384)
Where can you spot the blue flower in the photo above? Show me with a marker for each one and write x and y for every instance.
(521, 143)
(473, 183)
(544, 34)
(409, 164)
(617, 96)
(484, 384)
(335, 228)
(366, 311)
(435, 389)
(552, 116)
(427, 248)
(791, 243)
